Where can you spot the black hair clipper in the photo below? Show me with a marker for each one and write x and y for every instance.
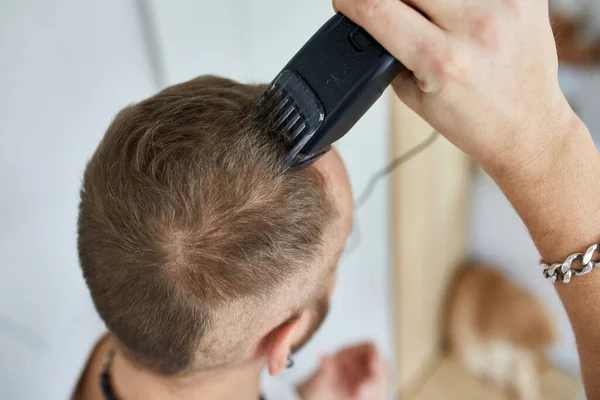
(327, 87)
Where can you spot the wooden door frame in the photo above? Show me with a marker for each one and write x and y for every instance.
(430, 202)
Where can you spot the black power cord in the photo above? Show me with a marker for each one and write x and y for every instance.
(366, 194)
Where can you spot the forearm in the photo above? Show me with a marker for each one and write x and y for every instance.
(557, 193)
(558, 198)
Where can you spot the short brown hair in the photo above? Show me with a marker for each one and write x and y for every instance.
(186, 207)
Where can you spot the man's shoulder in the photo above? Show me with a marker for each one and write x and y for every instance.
(88, 386)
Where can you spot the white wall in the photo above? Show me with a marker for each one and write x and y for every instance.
(252, 41)
(66, 67)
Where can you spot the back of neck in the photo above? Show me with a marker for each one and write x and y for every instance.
(133, 383)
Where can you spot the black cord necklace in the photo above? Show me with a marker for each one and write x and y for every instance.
(105, 383)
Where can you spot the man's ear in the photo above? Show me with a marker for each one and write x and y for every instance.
(282, 341)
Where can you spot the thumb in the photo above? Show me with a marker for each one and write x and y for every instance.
(364, 391)
(327, 365)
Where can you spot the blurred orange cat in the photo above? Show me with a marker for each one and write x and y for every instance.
(498, 331)
(571, 49)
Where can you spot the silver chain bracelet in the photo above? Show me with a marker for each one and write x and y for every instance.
(564, 272)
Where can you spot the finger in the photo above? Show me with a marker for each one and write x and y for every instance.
(364, 358)
(408, 91)
(364, 392)
(373, 362)
(369, 352)
(378, 371)
(402, 30)
(444, 13)
(326, 363)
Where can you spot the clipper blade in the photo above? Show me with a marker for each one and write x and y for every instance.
(295, 111)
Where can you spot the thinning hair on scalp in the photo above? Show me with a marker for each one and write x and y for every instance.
(186, 208)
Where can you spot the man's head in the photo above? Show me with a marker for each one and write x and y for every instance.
(199, 248)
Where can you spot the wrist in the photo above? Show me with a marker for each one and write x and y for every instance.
(556, 191)
(542, 150)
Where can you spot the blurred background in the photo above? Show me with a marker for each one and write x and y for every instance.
(67, 67)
